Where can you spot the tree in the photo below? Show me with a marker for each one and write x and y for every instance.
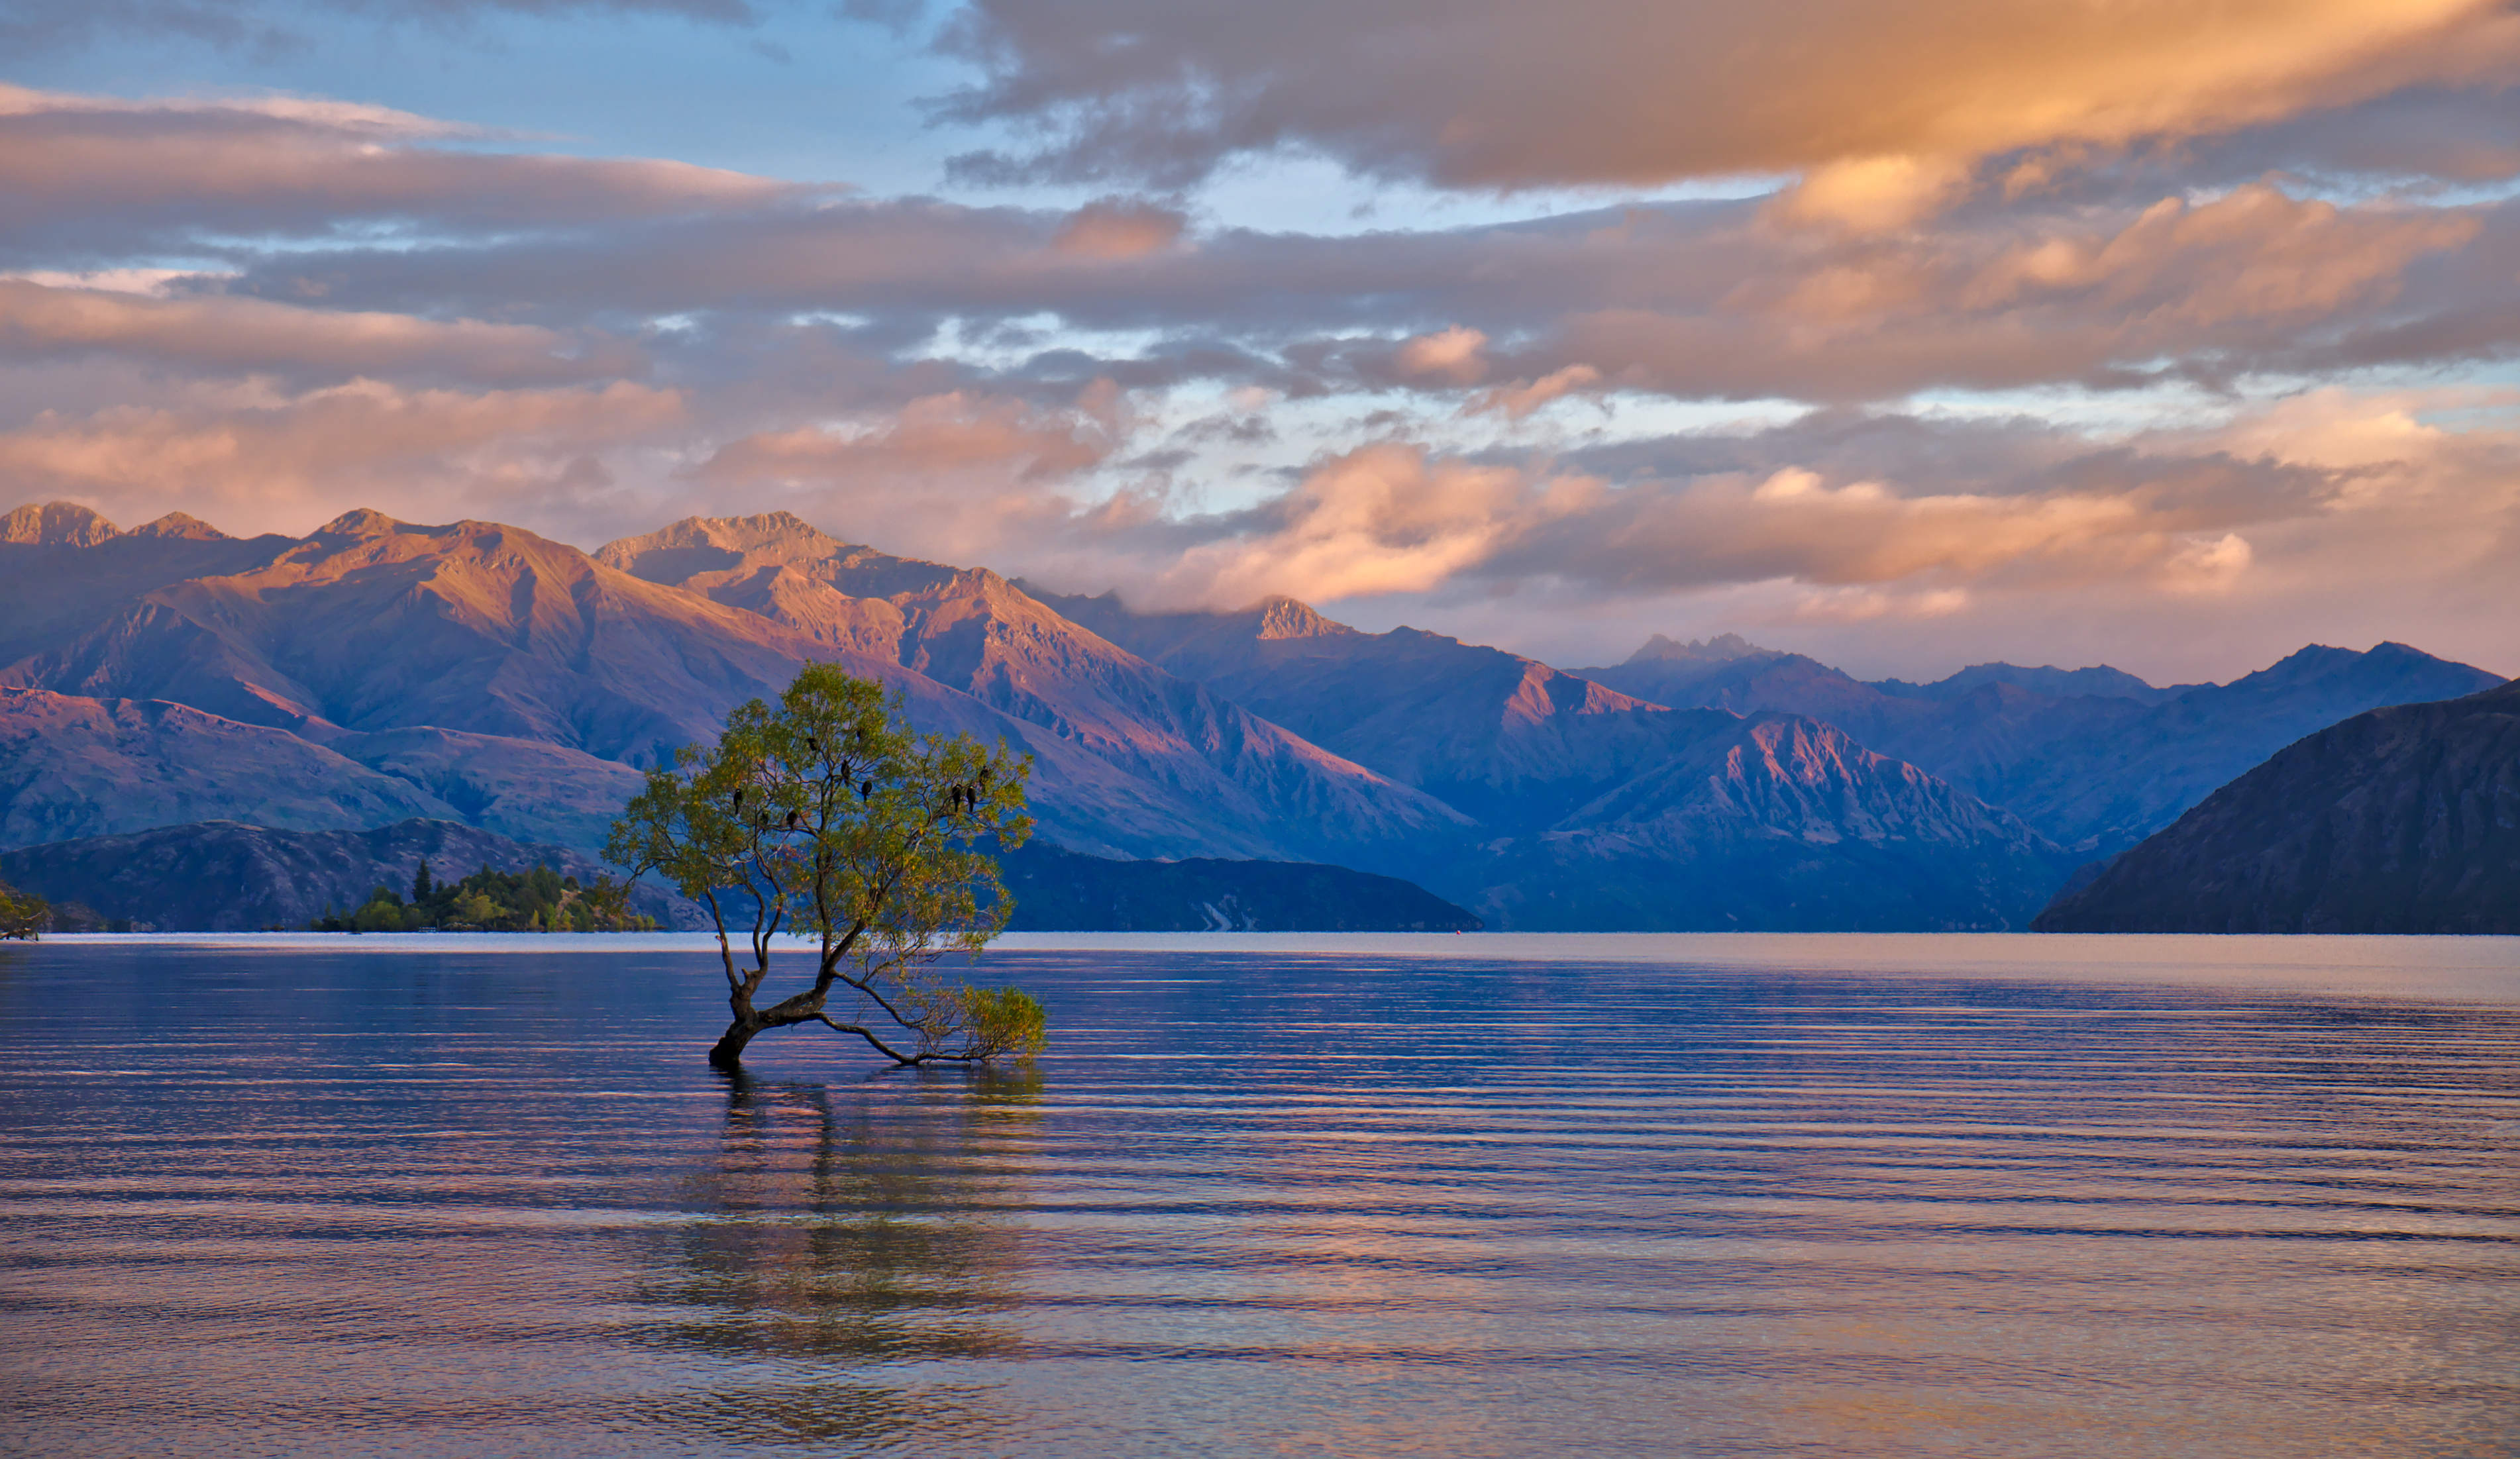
(24, 915)
(827, 818)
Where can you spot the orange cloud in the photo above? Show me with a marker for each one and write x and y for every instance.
(74, 166)
(1877, 101)
(956, 475)
(1384, 519)
(1117, 228)
(268, 467)
(213, 332)
(1452, 355)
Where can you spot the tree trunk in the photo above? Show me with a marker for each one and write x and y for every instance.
(729, 1052)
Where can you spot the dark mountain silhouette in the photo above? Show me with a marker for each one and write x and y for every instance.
(2402, 819)
(1060, 890)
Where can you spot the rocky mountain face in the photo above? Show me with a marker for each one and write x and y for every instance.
(973, 631)
(482, 672)
(1784, 822)
(2403, 819)
(1597, 809)
(228, 876)
(72, 768)
(2093, 758)
(1504, 738)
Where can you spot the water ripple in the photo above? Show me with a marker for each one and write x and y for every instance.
(1793, 1196)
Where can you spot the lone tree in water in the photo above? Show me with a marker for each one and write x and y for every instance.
(827, 816)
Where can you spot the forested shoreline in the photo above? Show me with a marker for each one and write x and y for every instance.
(493, 901)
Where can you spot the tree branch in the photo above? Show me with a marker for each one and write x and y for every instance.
(881, 1048)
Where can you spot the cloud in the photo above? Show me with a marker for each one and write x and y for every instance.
(1118, 228)
(1384, 519)
(34, 27)
(280, 463)
(1392, 518)
(88, 174)
(1873, 194)
(1452, 355)
(959, 476)
(1693, 300)
(1519, 401)
(371, 307)
(214, 333)
(1500, 94)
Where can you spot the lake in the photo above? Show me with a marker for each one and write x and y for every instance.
(1873, 1196)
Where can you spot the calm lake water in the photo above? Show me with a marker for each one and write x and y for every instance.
(1444, 1196)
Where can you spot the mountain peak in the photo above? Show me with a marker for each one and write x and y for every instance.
(56, 524)
(180, 524)
(359, 521)
(778, 534)
(1723, 648)
(2398, 664)
(1286, 618)
(2099, 682)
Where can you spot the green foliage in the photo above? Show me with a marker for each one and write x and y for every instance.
(1005, 1021)
(24, 915)
(827, 816)
(493, 901)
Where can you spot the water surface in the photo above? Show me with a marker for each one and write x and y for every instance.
(1459, 1196)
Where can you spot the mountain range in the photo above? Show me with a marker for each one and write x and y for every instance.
(2400, 821)
(376, 669)
(2094, 759)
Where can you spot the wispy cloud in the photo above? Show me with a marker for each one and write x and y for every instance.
(264, 309)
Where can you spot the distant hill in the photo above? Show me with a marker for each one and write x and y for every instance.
(2100, 682)
(1598, 809)
(224, 876)
(2094, 759)
(2403, 819)
(1060, 890)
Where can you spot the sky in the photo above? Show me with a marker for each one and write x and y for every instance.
(1909, 333)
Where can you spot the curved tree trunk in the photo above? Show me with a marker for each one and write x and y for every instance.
(728, 1053)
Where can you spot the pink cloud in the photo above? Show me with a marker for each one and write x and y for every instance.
(426, 454)
(1497, 94)
(210, 332)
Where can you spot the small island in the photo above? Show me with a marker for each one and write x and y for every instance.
(493, 901)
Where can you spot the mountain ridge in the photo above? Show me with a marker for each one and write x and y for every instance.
(2401, 819)
(372, 625)
(478, 671)
(2096, 772)
(1565, 775)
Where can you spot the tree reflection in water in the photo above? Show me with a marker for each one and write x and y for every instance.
(839, 1240)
